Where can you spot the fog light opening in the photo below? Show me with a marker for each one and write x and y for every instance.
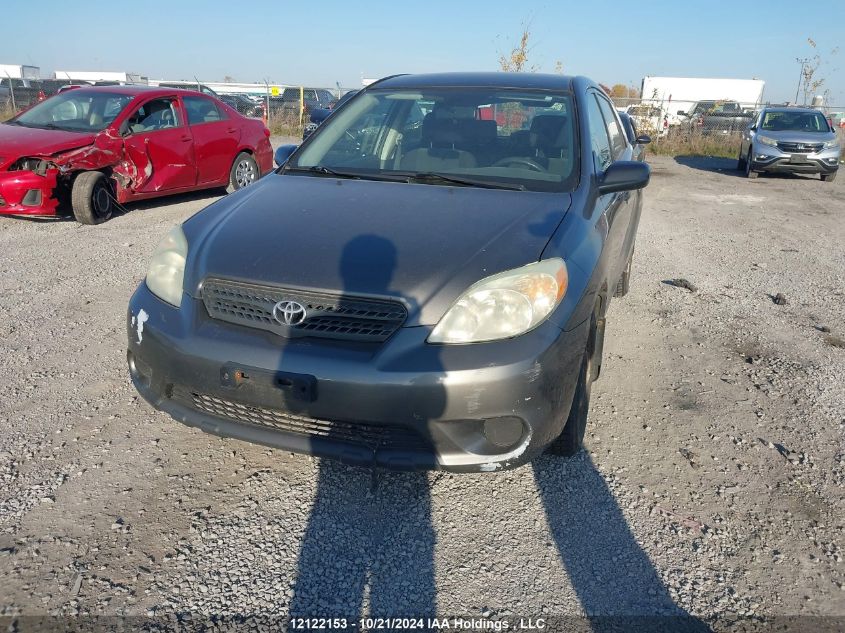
(138, 370)
(504, 432)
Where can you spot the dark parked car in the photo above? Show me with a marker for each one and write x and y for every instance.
(637, 141)
(716, 117)
(243, 105)
(21, 93)
(321, 114)
(790, 140)
(188, 85)
(288, 102)
(423, 283)
(85, 149)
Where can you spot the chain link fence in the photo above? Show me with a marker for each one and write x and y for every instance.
(712, 127)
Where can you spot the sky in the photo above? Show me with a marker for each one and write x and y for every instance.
(325, 42)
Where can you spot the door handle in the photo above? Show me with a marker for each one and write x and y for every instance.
(232, 130)
(185, 139)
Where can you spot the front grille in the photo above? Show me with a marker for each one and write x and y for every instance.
(373, 436)
(326, 315)
(800, 148)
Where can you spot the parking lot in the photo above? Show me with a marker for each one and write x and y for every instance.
(713, 483)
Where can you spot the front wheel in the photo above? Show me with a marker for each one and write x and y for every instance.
(91, 198)
(750, 173)
(740, 162)
(829, 177)
(244, 172)
(571, 439)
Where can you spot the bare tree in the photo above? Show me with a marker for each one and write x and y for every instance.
(515, 60)
(810, 81)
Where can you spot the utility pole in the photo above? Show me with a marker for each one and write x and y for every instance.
(11, 91)
(803, 63)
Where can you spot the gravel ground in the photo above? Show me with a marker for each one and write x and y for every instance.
(713, 483)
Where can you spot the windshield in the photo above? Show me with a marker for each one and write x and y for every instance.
(487, 137)
(77, 110)
(795, 122)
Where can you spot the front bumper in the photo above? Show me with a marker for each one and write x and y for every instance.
(403, 404)
(771, 159)
(28, 193)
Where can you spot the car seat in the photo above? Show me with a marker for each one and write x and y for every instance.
(440, 139)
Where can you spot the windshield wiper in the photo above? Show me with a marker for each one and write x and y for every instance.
(460, 180)
(322, 170)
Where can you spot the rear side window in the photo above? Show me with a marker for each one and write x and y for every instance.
(614, 130)
(201, 110)
(598, 135)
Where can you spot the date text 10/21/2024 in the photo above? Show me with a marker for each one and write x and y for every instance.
(419, 624)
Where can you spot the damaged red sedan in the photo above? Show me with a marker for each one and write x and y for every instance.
(85, 151)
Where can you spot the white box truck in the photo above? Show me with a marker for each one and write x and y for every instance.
(16, 71)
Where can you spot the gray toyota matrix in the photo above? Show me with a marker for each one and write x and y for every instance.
(423, 283)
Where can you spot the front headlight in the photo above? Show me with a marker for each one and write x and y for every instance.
(834, 144)
(504, 305)
(767, 140)
(167, 267)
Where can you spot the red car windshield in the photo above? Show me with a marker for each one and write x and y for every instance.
(77, 110)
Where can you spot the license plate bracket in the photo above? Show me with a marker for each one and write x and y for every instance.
(301, 387)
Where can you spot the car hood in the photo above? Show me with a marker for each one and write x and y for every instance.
(794, 136)
(17, 141)
(421, 244)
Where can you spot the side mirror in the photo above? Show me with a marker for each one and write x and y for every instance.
(753, 128)
(643, 139)
(624, 175)
(318, 115)
(283, 153)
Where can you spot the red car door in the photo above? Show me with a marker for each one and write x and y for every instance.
(159, 144)
(216, 138)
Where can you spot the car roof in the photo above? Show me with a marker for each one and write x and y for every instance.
(790, 109)
(135, 90)
(537, 81)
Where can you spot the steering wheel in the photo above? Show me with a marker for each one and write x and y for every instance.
(533, 165)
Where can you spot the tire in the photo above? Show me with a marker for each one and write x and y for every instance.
(750, 173)
(571, 439)
(91, 198)
(829, 177)
(624, 283)
(244, 172)
(740, 162)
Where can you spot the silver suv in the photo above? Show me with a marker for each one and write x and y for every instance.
(791, 140)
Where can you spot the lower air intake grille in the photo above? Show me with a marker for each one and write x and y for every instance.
(326, 315)
(370, 435)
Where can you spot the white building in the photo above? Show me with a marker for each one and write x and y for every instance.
(100, 75)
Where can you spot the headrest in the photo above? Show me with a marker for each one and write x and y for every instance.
(549, 130)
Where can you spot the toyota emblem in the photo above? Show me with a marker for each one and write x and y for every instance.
(289, 312)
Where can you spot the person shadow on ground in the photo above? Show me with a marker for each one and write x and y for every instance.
(617, 585)
(368, 547)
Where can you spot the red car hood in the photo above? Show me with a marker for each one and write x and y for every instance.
(17, 141)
